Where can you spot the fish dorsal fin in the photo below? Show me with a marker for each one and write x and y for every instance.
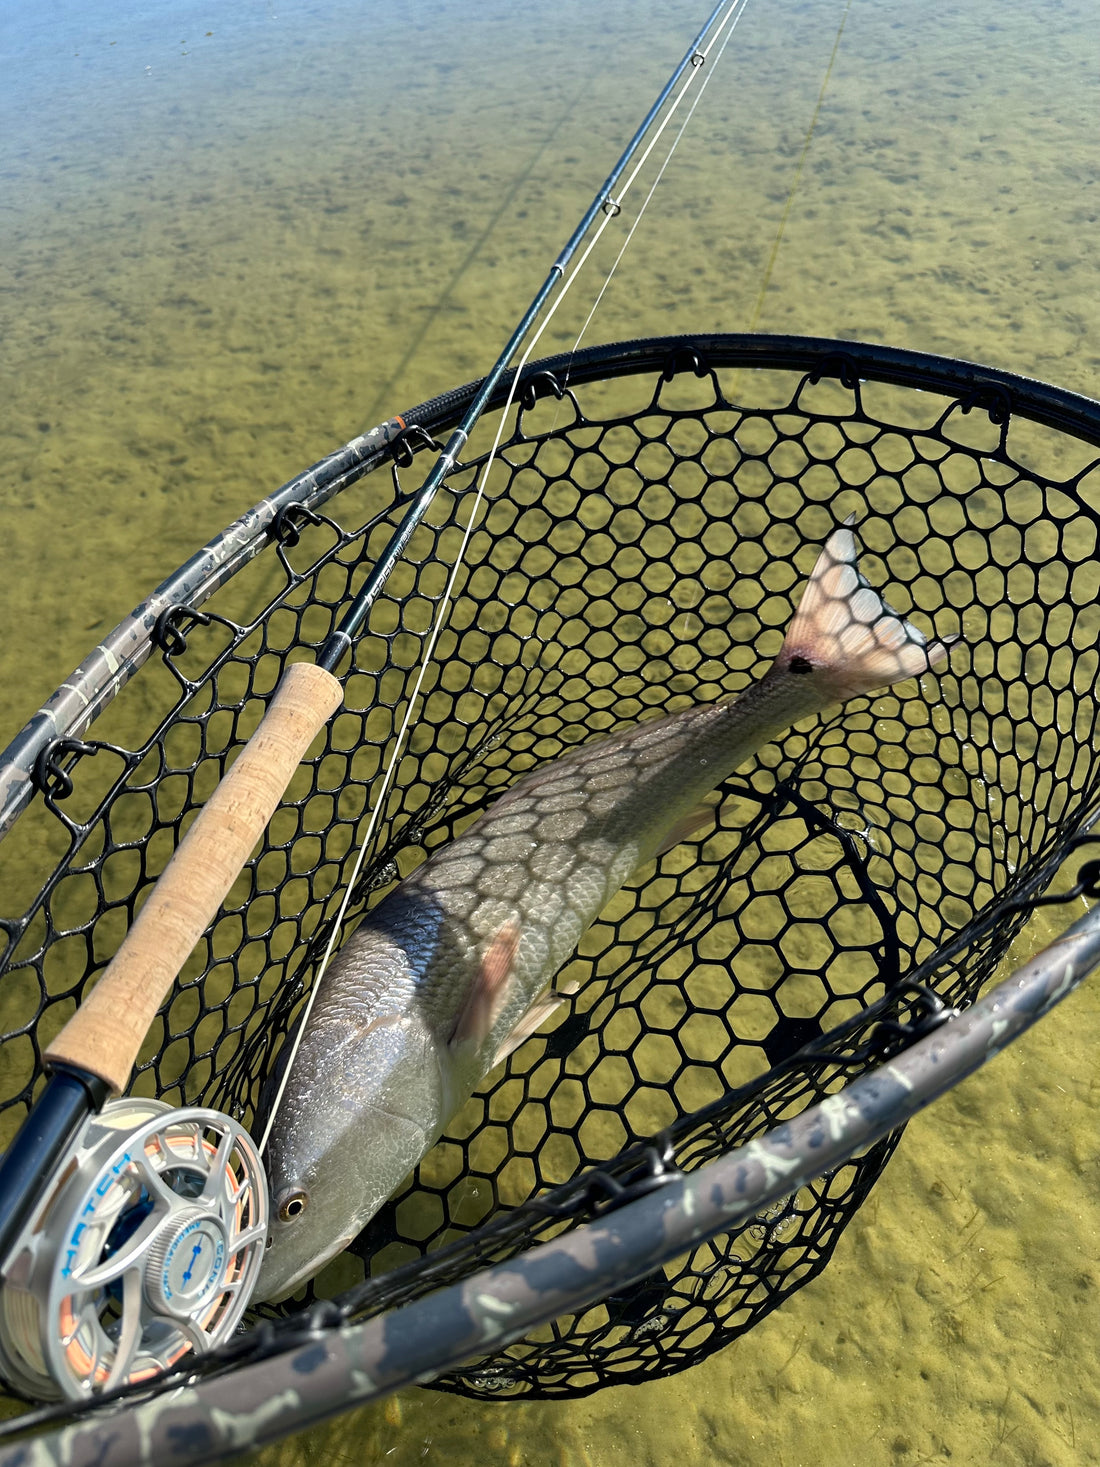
(845, 632)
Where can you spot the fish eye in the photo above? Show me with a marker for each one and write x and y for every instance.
(290, 1205)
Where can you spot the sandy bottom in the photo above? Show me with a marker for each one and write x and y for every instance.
(222, 254)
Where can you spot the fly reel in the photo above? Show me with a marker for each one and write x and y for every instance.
(148, 1247)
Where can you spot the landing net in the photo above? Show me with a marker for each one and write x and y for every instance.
(653, 510)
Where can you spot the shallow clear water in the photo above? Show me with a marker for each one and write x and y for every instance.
(234, 237)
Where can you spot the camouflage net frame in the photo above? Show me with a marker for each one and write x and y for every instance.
(653, 512)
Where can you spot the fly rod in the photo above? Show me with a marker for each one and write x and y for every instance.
(94, 1054)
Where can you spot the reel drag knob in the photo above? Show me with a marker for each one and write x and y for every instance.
(186, 1264)
(148, 1248)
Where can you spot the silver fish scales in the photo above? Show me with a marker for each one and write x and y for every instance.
(447, 973)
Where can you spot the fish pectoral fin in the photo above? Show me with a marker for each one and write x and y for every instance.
(550, 1002)
(490, 987)
(690, 824)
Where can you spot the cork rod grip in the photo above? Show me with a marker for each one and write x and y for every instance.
(106, 1033)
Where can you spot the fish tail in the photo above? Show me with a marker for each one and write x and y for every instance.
(845, 634)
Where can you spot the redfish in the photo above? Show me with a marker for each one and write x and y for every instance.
(447, 973)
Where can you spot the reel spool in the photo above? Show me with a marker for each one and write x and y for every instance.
(148, 1247)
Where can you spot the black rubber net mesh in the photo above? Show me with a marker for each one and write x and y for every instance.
(643, 537)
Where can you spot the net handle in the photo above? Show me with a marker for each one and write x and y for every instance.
(105, 1035)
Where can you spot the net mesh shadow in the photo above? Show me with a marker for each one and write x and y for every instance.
(652, 514)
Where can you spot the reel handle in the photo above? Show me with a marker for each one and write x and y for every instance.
(105, 1035)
